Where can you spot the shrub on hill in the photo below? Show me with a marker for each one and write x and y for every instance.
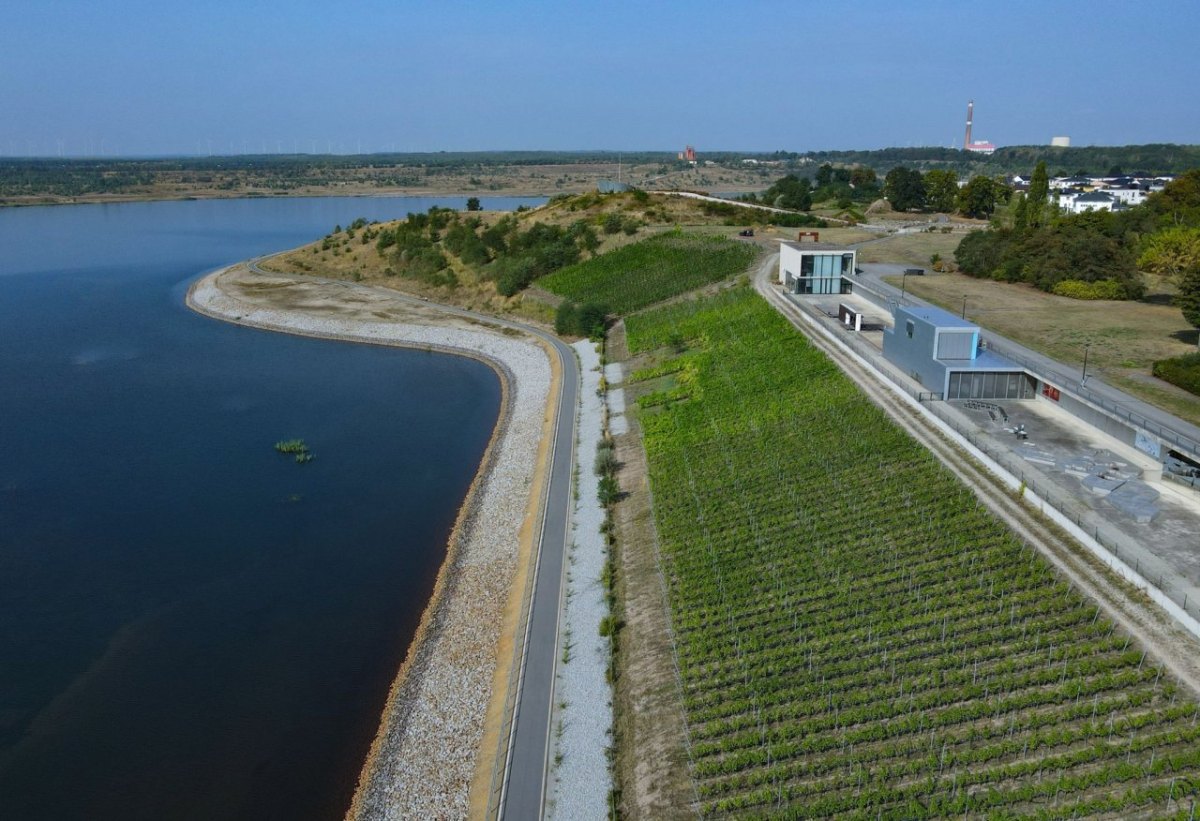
(1180, 371)
(1078, 289)
(573, 319)
(502, 251)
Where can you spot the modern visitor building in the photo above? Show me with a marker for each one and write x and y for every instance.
(944, 354)
(815, 267)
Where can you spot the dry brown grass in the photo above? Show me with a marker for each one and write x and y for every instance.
(1125, 337)
(911, 249)
(481, 180)
(360, 262)
(651, 739)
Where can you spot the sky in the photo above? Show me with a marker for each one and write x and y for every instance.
(134, 78)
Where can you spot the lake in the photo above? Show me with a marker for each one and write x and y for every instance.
(193, 625)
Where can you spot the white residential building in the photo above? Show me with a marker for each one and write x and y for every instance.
(1091, 201)
(1127, 195)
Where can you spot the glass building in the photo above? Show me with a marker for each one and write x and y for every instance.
(815, 268)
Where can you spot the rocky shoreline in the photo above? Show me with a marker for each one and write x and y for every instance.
(430, 744)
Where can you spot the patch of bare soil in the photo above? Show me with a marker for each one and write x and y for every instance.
(651, 734)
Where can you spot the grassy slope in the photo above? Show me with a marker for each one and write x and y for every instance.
(855, 632)
(911, 249)
(361, 262)
(650, 271)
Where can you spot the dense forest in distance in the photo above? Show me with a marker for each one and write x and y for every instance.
(23, 178)
(1157, 158)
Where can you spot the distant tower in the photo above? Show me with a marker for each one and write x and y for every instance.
(970, 116)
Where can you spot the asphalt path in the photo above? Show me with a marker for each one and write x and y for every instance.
(524, 787)
(524, 792)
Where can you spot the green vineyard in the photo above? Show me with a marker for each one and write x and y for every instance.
(856, 635)
(650, 271)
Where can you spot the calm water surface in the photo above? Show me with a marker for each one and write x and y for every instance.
(191, 625)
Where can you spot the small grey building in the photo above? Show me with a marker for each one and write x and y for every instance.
(944, 354)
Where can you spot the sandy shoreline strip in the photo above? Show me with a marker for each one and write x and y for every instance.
(430, 745)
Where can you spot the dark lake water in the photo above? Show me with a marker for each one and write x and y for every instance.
(192, 625)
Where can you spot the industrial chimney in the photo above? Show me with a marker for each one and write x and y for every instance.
(970, 112)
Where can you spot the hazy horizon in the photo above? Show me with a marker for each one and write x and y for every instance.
(135, 79)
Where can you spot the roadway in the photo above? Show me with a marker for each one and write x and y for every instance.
(524, 792)
(528, 749)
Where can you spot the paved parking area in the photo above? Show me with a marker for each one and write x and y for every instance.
(1159, 520)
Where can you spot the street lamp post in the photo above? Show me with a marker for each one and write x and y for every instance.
(1083, 380)
(903, 285)
(964, 310)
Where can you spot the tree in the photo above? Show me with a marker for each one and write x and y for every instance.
(904, 189)
(1188, 298)
(941, 190)
(473, 204)
(1171, 252)
(1179, 202)
(981, 253)
(1020, 214)
(1039, 195)
(573, 319)
(789, 192)
(824, 175)
(862, 176)
(977, 199)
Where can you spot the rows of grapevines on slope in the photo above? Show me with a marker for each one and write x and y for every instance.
(857, 634)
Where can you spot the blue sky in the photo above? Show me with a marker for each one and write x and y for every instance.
(137, 78)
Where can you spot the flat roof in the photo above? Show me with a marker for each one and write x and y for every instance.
(817, 246)
(936, 317)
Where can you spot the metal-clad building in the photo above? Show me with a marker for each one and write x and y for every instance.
(815, 267)
(944, 354)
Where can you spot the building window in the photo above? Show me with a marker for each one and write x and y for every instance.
(909, 327)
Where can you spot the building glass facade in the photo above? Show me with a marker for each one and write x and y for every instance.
(823, 273)
(990, 385)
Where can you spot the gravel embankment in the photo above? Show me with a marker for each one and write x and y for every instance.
(580, 778)
(425, 755)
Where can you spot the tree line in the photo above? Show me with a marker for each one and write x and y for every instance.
(1159, 158)
(1095, 254)
(937, 190)
(843, 186)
